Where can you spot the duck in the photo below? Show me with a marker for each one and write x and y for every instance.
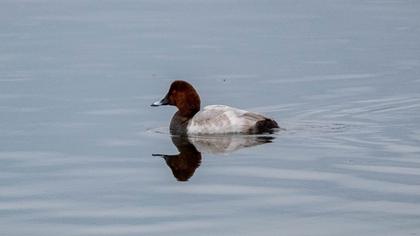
(213, 119)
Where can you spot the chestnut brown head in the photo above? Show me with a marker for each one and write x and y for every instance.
(182, 95)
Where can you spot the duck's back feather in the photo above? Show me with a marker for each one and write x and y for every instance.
(220, 119)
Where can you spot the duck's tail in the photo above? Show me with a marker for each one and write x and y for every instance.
(265, 126)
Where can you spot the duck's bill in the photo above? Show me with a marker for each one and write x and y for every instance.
(162, 102)
(158, 155)
(166, 157)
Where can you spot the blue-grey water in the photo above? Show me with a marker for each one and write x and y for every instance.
(77, 133)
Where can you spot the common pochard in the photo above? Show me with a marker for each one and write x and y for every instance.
(214, 119)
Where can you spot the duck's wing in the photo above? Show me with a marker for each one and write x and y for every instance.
(220, 119)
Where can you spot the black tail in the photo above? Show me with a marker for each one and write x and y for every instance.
(265, 126)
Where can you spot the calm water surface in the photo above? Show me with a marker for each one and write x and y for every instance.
(83, 153)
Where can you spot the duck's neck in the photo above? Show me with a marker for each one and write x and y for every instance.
(188, 110)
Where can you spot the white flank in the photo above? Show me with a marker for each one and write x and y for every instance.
(220, 119)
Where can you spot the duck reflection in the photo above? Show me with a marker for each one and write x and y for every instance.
(184, 164)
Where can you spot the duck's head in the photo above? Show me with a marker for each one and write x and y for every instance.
(182, 95)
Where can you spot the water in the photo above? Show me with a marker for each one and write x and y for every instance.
(82, 153)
